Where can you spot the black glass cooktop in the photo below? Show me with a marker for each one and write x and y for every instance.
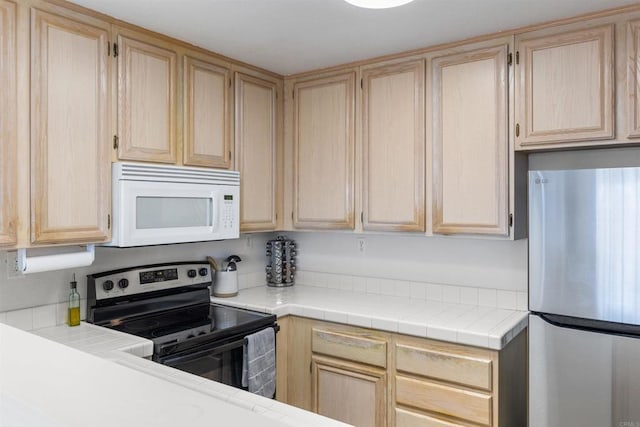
(197, 320)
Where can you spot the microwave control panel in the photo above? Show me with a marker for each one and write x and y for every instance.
(229, 210)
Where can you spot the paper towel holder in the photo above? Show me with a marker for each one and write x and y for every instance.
(37, 264)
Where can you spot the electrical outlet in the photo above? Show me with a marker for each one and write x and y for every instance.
(361, 245)
(11, 265)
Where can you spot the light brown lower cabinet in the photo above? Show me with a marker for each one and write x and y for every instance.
(350, 392)
(367, 377)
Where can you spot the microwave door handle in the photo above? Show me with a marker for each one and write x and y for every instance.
(213, 210)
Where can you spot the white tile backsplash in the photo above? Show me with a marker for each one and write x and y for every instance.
(507, 299)
(451, 294)
(434, 292)
(345, 283)
(22, 319)
(468, 295)
(359, 284)
(487, 297)
(45, 316)
(522, 301)
(418, 290)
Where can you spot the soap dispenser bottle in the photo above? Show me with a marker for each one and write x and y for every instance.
(74, 304)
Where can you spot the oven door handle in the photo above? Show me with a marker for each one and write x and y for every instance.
(210, 350)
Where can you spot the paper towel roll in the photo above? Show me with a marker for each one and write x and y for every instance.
(38, 264)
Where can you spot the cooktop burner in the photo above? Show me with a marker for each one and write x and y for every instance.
(197, 320)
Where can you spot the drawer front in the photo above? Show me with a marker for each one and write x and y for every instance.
(357, 349)
(444, 399)
(406, 418)
(466, 370)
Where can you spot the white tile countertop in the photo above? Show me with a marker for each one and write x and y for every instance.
(481, 326)
(92, 373)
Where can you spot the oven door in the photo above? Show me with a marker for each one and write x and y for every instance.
(221, 362)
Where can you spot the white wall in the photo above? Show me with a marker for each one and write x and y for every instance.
(53, 287)
(481, 263)
(498, 266)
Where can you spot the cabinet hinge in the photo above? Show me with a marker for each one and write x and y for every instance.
(293, 94)
(291, 215)
(276, 216)
(361, 217)
(310, 366)
(517, 129)
(229, 155)
(109, 221)
(510, 59)
(115, 142)
(115, 50)
(510, 220)
(517, 56)
(229, 82)
(361, 83)
(108, 48)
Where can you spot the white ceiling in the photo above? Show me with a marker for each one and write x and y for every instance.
(291, 36)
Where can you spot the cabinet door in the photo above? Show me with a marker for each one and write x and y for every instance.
(256, 147)
(393, 139)
(8, 118)
(470, 141)
(206, 114)
(349, 392)
(633, 78)
(146, 99)
(70, 194)
(564, 87)
(324, 152)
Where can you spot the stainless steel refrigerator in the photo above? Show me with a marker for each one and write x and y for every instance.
(584, 298)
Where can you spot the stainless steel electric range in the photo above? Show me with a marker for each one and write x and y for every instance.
(169, 304)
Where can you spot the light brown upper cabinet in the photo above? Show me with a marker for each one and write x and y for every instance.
(206, 136)
(470, 136)
(8, 118)
(394, 147)
(147, 98)
(564, 87)
(70, 129)
(323, 137)
(633, 78)
(256, 146)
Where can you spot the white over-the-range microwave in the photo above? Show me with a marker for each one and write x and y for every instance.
(155, 205)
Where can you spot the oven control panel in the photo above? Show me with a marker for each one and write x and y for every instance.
(147, 279)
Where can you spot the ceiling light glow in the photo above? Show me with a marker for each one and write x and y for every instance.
(378, 4)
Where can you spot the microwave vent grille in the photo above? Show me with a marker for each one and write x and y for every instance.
(157, 173)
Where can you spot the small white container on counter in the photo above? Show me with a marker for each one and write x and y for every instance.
(225, 284)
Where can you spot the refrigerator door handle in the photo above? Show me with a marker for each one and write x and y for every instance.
(589, 325)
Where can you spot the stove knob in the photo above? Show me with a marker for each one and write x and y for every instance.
(192, 273)
(123, 283)
(190, 336)
(203, 272)
(202, 333)
(107, 285)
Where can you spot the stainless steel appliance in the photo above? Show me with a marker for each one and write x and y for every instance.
(169, 304)
(584, 297)
(157, 204)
